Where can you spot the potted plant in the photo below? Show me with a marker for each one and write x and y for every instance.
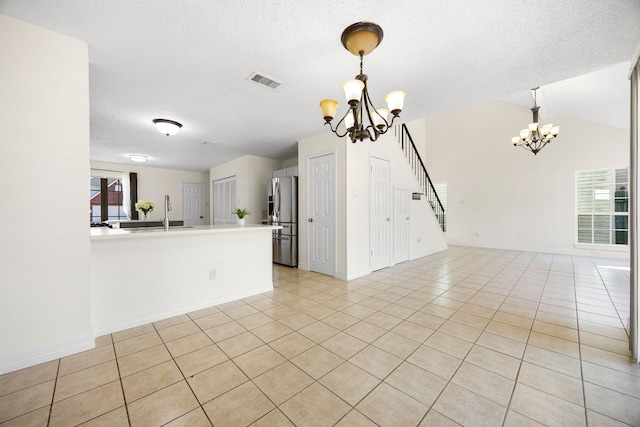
(241, 213)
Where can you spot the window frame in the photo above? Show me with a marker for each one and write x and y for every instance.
(108, 179)
(612, 186)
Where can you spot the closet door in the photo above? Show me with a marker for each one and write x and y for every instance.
(380, 214)
(401, 218)
(223, 200)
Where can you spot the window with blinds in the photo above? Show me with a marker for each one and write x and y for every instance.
(441, 191)
(602, 201)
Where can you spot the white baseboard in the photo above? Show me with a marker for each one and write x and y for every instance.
(593, 253)
(122, 324)
(351, 276)
(45, 354)
(426, 252)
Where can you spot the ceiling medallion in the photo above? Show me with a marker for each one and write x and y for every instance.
(362, 120)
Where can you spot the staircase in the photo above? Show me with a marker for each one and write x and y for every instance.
(420, 171)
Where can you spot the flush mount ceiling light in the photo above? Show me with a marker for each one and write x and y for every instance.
(534, 138)
(362, 120)
(138, 158)
(168, 127)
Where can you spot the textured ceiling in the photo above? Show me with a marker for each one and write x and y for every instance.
(601, 97)
(189, 61)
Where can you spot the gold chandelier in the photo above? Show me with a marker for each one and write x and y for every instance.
(534, 138)
(362, 120)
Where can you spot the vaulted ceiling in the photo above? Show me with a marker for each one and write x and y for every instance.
(190, 61)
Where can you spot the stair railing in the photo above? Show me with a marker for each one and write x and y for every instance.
(420, 171)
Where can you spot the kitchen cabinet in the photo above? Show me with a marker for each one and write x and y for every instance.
(290, 171)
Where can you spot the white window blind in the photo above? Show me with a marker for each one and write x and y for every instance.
(602, 202)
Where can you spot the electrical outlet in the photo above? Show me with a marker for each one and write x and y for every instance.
(212, 274)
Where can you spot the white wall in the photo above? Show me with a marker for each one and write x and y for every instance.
(290, 162)
(144, 289)
(312, 147)
(44, 168)
(505, 197)
(252, 178)
(352, 201)
(154, 183)
(423, 224)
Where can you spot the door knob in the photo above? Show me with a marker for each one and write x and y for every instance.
(310, 219)
(408, 218)
(388, 219)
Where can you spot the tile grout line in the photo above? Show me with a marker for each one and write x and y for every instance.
(521, 359)
(615, 307)
(124, 397)
(369, 344)
(584, 391)
(55, 384)
(467, 354)
(449, 381)
(315, 381)
(530, 329)
(200, 404)
(238, 367)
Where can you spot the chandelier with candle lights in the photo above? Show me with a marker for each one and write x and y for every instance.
(362, 120)
(534, 138)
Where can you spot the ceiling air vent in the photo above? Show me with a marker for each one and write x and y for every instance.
(264, 80)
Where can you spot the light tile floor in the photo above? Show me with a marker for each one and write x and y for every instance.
(468, 337)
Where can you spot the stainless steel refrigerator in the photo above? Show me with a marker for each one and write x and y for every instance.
(283, 211)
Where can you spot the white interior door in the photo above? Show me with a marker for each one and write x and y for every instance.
(193, 203)
(223, 200)
(401, 221)
(380, 207)
(322, 214)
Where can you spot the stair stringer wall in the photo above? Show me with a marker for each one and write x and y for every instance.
(424, 224)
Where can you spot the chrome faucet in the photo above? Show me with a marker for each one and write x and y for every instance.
(167, 208)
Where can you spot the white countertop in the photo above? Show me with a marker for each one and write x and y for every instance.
(99, 233)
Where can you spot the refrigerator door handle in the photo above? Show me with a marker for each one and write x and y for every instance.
(276, 199)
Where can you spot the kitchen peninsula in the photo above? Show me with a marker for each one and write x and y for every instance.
(144, 275)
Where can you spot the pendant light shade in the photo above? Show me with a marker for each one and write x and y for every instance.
(329, 107)
(349, 120)
(353, 90)
(395, 100)
(380, 117)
